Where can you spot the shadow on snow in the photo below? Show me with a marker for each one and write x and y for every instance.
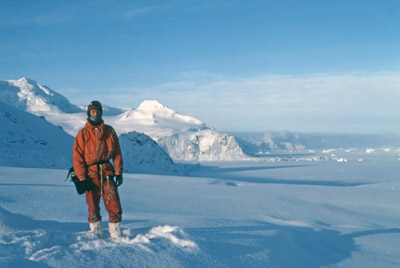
(270, 245)
(232, 174)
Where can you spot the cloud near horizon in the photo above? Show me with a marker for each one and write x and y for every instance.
(359, 101)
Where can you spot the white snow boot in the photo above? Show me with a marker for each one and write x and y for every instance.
(97, 228)
(115, 229)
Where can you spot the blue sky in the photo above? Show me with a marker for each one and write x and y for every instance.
(331, 66)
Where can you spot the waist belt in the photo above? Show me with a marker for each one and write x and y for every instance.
(99, 163)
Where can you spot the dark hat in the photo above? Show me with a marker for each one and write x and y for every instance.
(94, 105)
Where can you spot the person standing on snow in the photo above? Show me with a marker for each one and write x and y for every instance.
(95, 145)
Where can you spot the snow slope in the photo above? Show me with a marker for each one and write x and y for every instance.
(30, 141)
(143, 155)
(294, 214)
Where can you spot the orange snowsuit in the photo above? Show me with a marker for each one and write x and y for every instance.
(93, 148)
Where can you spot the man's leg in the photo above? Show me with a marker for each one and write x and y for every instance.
(93, 202)
(113, 207)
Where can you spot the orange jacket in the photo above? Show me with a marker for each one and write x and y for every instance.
(94, 144)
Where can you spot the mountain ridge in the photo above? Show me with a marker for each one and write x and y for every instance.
(182, 137)
(196, 140)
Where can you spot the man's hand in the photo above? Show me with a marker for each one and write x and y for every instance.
(118, 180)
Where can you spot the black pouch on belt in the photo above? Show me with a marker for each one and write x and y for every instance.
(81, 186)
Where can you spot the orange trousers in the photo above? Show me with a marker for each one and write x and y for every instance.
(110, 199)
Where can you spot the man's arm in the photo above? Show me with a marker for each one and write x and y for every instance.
(117, 157)
(78, 156)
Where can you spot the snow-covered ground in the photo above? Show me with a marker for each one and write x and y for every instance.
(326, 213)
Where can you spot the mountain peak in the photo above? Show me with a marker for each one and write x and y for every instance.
(25, 79)
(31, 96)
(151, 105)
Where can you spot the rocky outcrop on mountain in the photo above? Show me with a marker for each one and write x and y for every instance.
(143, 155)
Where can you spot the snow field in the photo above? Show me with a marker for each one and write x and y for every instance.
(243, 214)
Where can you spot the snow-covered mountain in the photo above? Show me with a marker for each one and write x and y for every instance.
(204, 145)
(28, 95)
(27, 140)
(156, 120)
(141, 154)
(183, 137)
(255, 143)
(30, 141)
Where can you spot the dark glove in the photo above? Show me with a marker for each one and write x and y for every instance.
(82, 186)
(118, 180)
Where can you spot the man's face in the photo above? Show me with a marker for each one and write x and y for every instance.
(95, 114)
